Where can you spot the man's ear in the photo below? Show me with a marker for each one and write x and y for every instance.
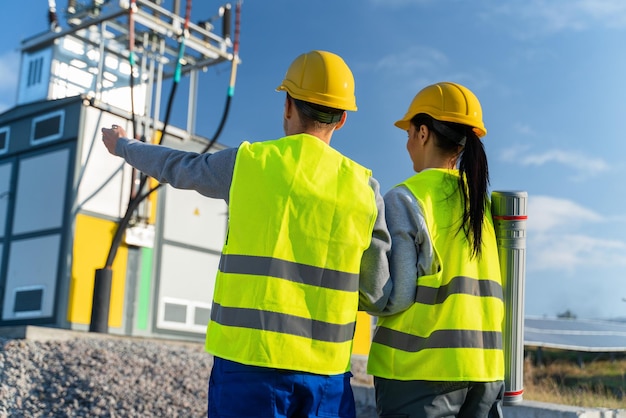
(342, 122)
(288, 107)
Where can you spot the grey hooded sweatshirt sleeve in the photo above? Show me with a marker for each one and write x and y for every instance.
(412, 253)
(208, 174)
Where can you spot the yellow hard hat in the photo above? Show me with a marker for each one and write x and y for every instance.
(448, 102)
(320, 77)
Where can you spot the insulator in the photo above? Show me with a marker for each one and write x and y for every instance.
(226, 19)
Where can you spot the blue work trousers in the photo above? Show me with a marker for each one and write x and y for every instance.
(239, 390)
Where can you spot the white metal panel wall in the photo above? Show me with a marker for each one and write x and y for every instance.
(32, 266)
(40, 192)
(75, 67)
(35, 76)
(5, 184)
(104, 179)
(194, 219)
(194, 230)
(186, 288)
(70, 68)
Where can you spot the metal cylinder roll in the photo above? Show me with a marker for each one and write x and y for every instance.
(508, 209)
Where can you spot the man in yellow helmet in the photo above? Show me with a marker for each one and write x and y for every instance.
(307, 245)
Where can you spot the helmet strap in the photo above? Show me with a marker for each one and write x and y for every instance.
(315, 114)
(449, 133)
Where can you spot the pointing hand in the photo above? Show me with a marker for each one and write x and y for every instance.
(110, 137)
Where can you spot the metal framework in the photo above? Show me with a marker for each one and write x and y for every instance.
(149, 37)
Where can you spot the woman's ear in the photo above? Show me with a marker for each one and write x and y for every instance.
(424, 134)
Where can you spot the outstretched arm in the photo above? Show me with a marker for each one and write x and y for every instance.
(208, 174)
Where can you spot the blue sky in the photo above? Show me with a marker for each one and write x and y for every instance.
(550, 75)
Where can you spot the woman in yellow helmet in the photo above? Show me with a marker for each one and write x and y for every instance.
(443, 355)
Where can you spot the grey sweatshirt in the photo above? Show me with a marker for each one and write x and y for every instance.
(211, 176)
(412, 254)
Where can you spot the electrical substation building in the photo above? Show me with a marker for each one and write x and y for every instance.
(62, 195)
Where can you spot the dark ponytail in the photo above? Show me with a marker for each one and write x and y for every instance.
(473, 172)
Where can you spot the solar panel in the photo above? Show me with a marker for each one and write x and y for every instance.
(575, 334)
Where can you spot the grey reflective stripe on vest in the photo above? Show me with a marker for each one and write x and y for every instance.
(283, 323)
(439, 339)
(458, 285)
(295, 272)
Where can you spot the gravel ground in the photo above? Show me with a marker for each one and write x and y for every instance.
(100, 377)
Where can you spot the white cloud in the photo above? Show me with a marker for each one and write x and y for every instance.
(414, 60)
(398, 3)
(524, 129)
(584, 165)
(559, 235)
(578, 161)
(610, 12)
(569, 252)
(549, 214)
(529, 18)
(422, 65)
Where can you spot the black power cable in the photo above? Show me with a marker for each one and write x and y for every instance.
(103, 278)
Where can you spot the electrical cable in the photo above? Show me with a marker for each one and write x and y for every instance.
(175, 81)
(103, 277)
(233, 77)
(134, 202)
(131, 59)
(178, 70)
(231, 92)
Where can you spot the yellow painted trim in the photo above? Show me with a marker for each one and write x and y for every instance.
(363, 334)
(152, 199)
(92, 241)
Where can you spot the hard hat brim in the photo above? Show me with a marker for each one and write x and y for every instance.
(446, 102)
(403, 124)
(322, 78)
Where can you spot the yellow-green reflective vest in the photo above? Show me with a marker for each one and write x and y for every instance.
(453, 331)
(286, 295)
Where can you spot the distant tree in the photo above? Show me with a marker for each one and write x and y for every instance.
(566, 315)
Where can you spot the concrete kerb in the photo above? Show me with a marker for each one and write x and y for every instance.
(363, 391)
(364, 396)
(366, 400)
(531, 409)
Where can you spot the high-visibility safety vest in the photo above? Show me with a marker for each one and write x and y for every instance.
(286, 295)
(453, 331)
